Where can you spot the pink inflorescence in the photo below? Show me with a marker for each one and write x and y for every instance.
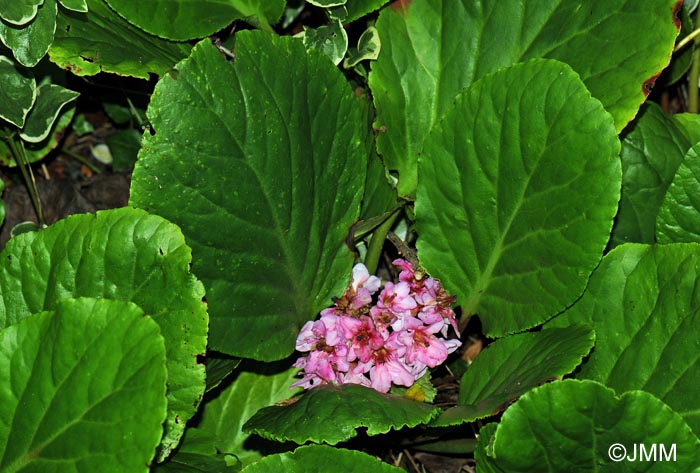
(393, 338)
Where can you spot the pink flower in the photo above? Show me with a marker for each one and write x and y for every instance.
(387, 367)
(361, 278)
(397, 298)
(362, 336)
(422, 345)
(407, 274)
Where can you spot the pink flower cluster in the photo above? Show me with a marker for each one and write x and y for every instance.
(394, 338)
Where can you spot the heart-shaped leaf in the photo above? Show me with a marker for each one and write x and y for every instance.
(679, 217)
(515, 200)
(317, 459)
(643, 303)
(184, 19)
(331, 413)
(289, 158)
(434, 49)
(513, 365)
(652, 150)
(222, 418)
(83, 389)
(122, 254)
(102, 41)
(591, 429)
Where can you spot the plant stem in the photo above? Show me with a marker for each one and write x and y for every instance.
(17, 148)
(376, 243)
(694, 74)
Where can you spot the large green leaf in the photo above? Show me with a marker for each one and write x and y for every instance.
(331, 413)
(359, 8)
(581, 426)
(184, 19)
(122, 254)
(679, 217)
(223, 416)
(644, 303)
(83, 389)
(19, 12)
(49, 103)
(652, 150)
(102, 41)
(30, 42)
(321, 459)
(17, 94)
(513, 365)
(267, 199)
(515, 200)
(434, 49)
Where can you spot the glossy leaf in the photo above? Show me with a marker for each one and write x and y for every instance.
(327, 3)
(515, 201)
(643, 303)
(75, 5)
(19, 12)
(219, 367)
(652, 150)
(83, 390)
(49, 103)
(223, 416)
(197, 454)
(434, 49)
(368, 47)
(331, 40)
(331, 414)
(184, 19)
(122, 254)
(17, 93)
(318, 459)
(30, 42)
(679, 216)
(289, 162)
(359, 8)
(38, 151)
(513, 365)
(102, 41)
(584, 419)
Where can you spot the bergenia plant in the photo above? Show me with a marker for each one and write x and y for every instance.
(393, 340)
(351, 199)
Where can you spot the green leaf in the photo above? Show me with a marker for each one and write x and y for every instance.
(380, 198)
(184, 19)
(515, 202)
(219, 367)
(331, 40)
(679, 217)
(75, 5)
(643, 303)
(17, 93)
(197, 453)
(124, 147)
(434, 49)
(331, 413)
(50, 101)
(359, 8)
(29, 43)
(102, 41)
(513, 365)
(2, 203)
(318, 458)
(122, 254)
(83, 390)
(19, 12)
(222, 417)
(368, 47)
(326, 3)
(651, 152)
(572, 425)
(38, 151)
(289, 162)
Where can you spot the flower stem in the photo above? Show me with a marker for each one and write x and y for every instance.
(376, 243)
(19, 154)
(694, 73)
